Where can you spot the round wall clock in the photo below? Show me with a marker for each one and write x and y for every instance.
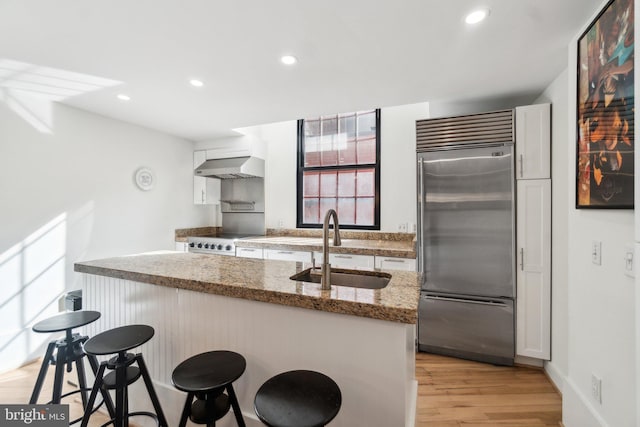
(144, 179)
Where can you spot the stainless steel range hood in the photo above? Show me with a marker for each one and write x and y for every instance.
(231, 168)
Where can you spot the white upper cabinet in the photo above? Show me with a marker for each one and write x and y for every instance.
(533, 142)
(206, 191)
(533, 277)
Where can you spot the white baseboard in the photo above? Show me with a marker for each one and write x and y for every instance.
(528, 361)
(556, 377)
(577, 410)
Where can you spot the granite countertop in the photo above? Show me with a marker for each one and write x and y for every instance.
(390, 248)
(263, 280)
(400, 245)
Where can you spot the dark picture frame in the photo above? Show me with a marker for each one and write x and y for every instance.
(605, 107)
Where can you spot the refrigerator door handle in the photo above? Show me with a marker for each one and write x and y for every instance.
(522, 259)
(420, 215)
(466, 301)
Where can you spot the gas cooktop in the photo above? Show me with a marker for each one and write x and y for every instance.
(222, 244)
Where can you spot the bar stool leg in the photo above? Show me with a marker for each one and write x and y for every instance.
(61, 358)
(121, 379)
(94, 392)
(186, 410)
(93, 361)
(162, 421)
(126, 406)
(82, 382)
(235, 405)
(43, 373)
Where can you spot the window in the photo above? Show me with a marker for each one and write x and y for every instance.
(339, 168)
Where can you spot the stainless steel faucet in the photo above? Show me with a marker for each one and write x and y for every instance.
(326, 267)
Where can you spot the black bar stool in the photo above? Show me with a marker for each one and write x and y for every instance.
(67, 351)
(206, 376)
(298, 399)
(119, 340)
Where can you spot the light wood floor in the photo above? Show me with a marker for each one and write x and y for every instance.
(459, 393)
(451, 393)
(16, 387)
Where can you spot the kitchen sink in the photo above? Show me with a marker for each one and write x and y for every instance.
(351, 278)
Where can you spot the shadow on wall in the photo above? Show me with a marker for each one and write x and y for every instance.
(32, 279)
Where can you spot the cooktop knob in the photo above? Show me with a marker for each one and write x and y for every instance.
(228, 247)
(192, 245)
(219, 247)
(200, 245)
(206, 246)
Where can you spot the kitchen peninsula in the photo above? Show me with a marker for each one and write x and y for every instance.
(362, 338)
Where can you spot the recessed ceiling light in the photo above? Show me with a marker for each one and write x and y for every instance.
(477, 16)
(289, 59)
(196, 83)
(123, 97)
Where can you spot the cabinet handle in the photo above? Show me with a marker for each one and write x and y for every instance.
(285, 252)
(344, 257)
(393, 260)
(202, 196)
(522, 259)
(246, 250)
(521, 165)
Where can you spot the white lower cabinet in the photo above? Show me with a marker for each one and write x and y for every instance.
(249, 253)
(285, 255)
(393, 263)
(355, 262)
(182, 246)
(533, 277)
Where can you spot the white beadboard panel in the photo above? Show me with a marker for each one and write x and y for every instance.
(371, 360)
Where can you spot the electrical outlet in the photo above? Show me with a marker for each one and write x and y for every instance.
(596, 252)
(402, 227)
(629, 261)
(596, 388)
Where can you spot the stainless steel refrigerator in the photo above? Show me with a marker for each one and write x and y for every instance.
(466, 239)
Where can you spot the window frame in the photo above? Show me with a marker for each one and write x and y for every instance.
(301, 169)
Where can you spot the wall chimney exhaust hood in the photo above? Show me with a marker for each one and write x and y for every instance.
(232, 168)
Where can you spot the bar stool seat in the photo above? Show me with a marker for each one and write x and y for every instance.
(120, 340)
(68, 350)
(65, 321)
(206, 376)
(298, 399)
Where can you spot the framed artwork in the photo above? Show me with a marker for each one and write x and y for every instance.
(605, 106)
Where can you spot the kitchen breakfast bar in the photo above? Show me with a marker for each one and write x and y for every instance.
(364, 339)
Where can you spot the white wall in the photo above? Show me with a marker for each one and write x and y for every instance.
(601, 304)
(66, 194)
(471, 106)
(562, 200)
(398, 170)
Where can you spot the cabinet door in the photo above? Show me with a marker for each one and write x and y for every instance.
(354, 262)
(299, 256)
(533, 318)
(206, 191)
(393, 263)
(533, 142)
(249, 253)
(182, 246)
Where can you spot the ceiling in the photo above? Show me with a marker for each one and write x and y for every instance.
(353, 54)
